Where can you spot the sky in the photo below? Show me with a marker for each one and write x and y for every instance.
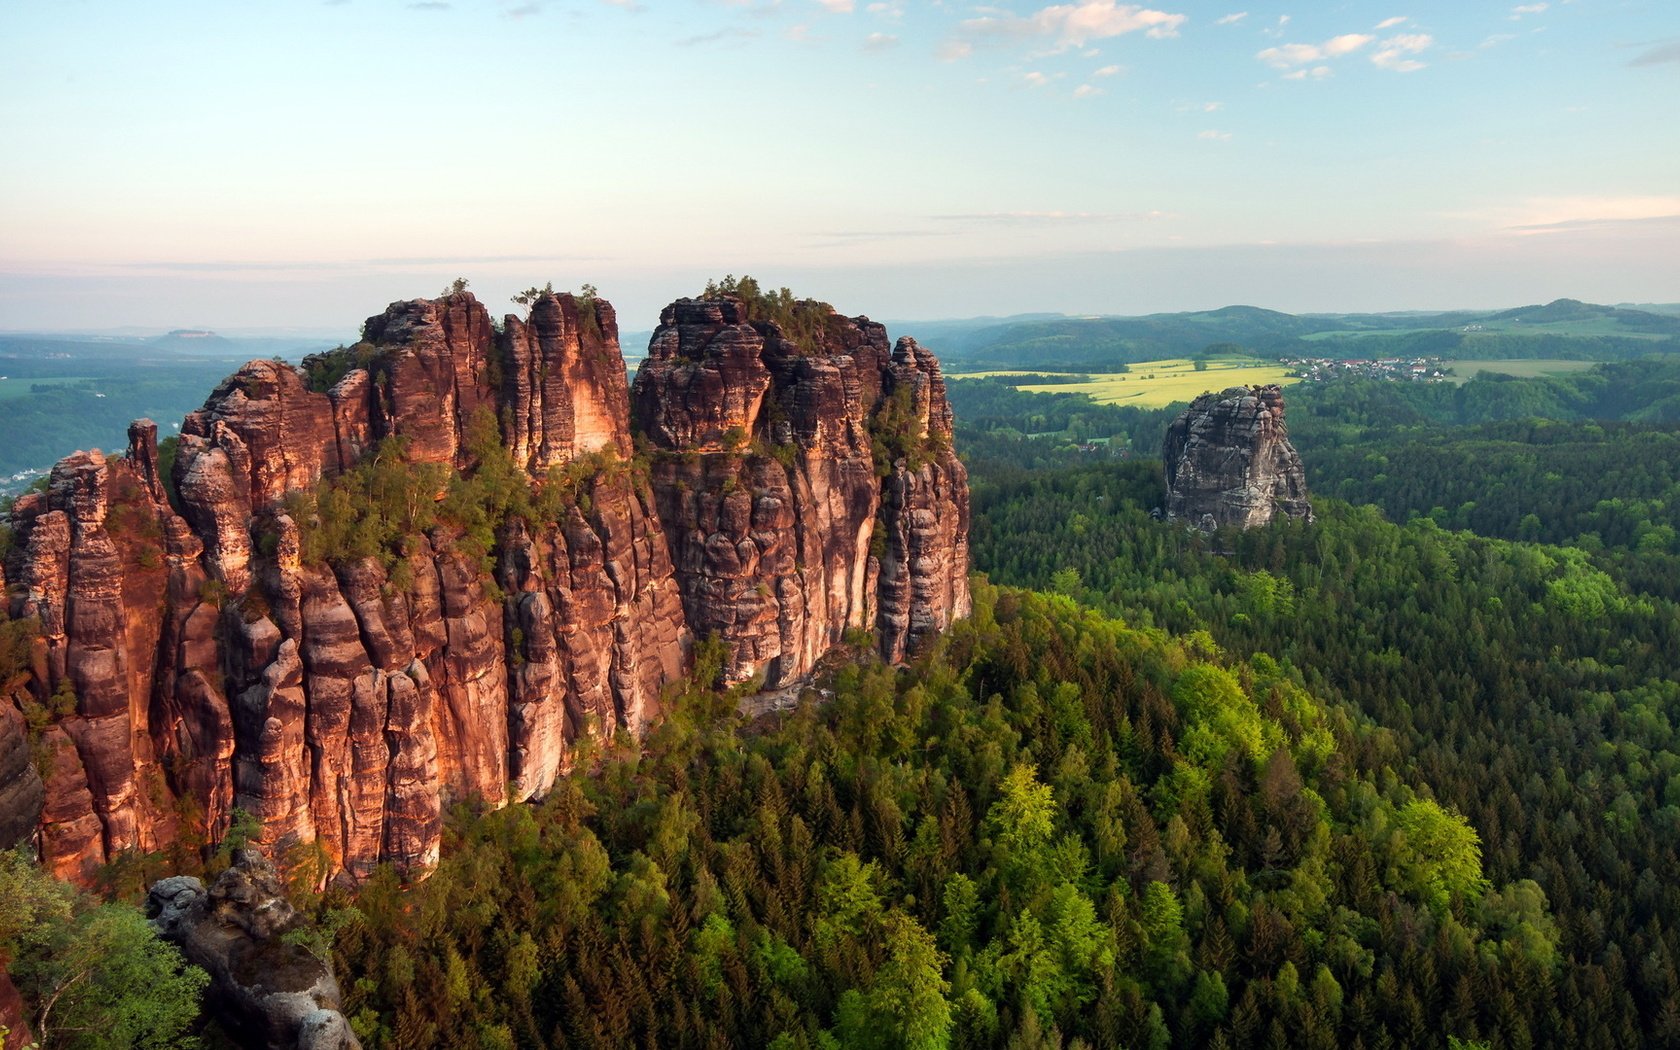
(259, 164)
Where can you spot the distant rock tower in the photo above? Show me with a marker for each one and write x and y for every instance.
(1228, 461)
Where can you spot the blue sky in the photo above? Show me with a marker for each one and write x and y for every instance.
(261, 163)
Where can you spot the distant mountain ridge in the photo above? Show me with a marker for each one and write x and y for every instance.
(1562, 328)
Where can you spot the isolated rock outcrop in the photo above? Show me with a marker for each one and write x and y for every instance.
(1228, 461)
(213, 657)
(807, 483)
(268, 987)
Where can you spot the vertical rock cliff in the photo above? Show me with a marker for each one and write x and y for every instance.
(418, 569)
(1228, 461)
(806, 481)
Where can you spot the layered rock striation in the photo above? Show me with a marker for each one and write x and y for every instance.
(1229, 462)
(419, 569)
(807, 483)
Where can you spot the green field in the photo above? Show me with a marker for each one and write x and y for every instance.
(1521, 367)
(1156, 384)
(19, 387)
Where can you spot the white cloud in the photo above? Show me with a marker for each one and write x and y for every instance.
(1231, 19)
(1390, 23)
(1528, 9)
(1214, 135)
(1291, 55)
(1107, 71)
(952, 50)
(1073, 25)
(1346, 44)
(1287, 56)
(1087, 91)
(1394, 53)
(1035, 79)
(1212, 107)
(879, 41)
(1541, 215)
(838, 7)
(1315, 73)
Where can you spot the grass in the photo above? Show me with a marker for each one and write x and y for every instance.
(1156, 384)
(1522, 367)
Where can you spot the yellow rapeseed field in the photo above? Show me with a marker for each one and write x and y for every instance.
(1155, 384)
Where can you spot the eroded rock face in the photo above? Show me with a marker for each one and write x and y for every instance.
(273, 993)
(212, 662)
(21, 792)
(768, 468)
(1228, 461)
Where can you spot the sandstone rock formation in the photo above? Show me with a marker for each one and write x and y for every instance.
(208, 652)
(270, 989)
(807, 484)
(14, 1021)
(21, 792)
(1228, 461)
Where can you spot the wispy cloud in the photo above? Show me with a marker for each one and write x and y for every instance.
(1658, 56)
(1534, 215)
(344, 265)
(879, 42)
(1214, 135)
(726, 35)
(1051, 218)
(1288, 56)
(1087, 91)
(1107, 71)
(1313, 73)
(848, 238)
(839, 7)
(1395, 53)
(1230, 19)
(1069, 26)
(1527, 9)
(429, 5)
(1390, 23)
(1568, 225)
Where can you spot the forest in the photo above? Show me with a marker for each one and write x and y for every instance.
(1404, 776)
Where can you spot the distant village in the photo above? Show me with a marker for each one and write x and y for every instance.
(1407, 369)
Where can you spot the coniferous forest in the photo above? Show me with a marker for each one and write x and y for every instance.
(1405, 776)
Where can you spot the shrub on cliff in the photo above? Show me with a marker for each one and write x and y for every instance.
(801, 320)
(323, 371)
